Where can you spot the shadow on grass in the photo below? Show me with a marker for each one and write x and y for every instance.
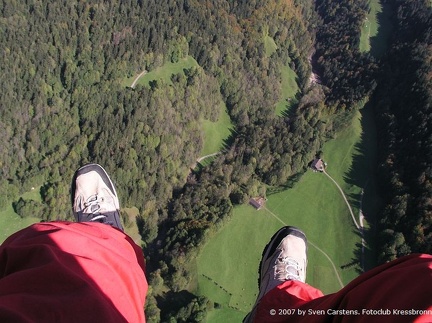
(362, 254)
(379, 43)
(362, 173)
(292, 180)
(291, 107)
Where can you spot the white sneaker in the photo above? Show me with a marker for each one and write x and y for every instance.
(94, 198)
(284, 258)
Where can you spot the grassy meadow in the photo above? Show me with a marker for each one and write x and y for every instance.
(228, 265)
(269, 45)
(163, 72)
(289, 79)
(216, 132)
(10, 222)
(376, 29)
(289, 90)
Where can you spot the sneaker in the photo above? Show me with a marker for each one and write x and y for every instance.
(284, 258)
(94, 198)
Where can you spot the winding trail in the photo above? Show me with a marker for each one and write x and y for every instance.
(199, 160)
(361, 218)
(137, 78)
(315, 246)
(346, 200)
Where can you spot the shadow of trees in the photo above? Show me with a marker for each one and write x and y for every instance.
(362, 173)
(379, 43)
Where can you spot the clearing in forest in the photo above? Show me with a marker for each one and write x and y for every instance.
(10, 222)
(289, 79)
(216, 132)
(164, 72)
(288, 91)
(269, 45)
(376, 29)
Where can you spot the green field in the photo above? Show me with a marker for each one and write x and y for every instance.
(289, 79)
(227, 266)
(289, 90)
(376, 29)
(216, 132)
(10, 222)
(131, 228)
(269, 45)
(164, 72)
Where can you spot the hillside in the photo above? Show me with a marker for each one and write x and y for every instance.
(241, 69)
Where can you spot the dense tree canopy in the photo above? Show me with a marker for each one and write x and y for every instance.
(404, 101)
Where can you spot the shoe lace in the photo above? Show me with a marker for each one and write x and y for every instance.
(92, 207)
(287, 268)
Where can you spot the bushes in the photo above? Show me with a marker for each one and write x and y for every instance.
(29, 208)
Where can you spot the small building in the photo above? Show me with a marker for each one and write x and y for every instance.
(318, 165)
(257, 202)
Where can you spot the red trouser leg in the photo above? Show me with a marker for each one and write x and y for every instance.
(71, 272)
(399, 291)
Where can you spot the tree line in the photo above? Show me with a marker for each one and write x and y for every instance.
(403, 108)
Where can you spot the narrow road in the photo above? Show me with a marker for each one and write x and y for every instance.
(346, 200)
(137, 78)
(361, 217)
(363, 243)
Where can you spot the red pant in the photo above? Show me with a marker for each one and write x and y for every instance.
(91, 272)
(71, 272)
(399, 291)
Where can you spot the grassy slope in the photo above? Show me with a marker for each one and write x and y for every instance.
(289, 77)
(289, 89)
(132, 228)
(232, 256)
(164, 72)
(269, 45)
(376, 29)
(10, 222)
(370, 26)
(216, 132)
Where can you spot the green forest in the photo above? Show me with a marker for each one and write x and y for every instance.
(64, 103)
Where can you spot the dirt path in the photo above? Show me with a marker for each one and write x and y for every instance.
(199, 160)
(137, 78)
(346, 200)
(315, 246)
(361, 217)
